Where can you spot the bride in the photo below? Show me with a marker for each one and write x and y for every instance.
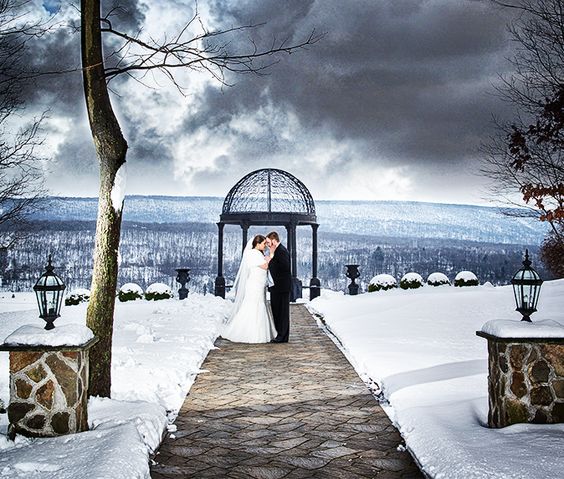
(251, 320)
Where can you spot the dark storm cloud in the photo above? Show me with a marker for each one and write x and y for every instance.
(393, 82)
(412, 77)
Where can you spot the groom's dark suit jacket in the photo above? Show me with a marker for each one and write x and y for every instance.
(279, 268)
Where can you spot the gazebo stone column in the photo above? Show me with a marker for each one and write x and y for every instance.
(220, 280)
(48, 387)
(314, 284)
(526, 380)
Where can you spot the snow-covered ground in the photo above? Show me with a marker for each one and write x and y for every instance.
(158, 349)
(420, 346)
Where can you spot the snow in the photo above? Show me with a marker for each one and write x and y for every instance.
(437, 279)
(503, 328)
(412, 277)
(383, 280)
(420, 346)
(159, 288)
(80, 292)
(66, 335)
(466, 276)
(157, 352)
(118, 190)
(131, 288)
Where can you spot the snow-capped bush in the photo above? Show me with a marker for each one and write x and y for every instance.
(411, 281)
(382, 282)
(466, 278)
(158, 291)
(130, 292)
(77, 296)
(437, 279)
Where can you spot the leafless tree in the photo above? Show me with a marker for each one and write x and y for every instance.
(21, 179)
(209, 51)
(526, 157)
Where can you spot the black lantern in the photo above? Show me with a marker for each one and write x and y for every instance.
(526, 288)
(352, 273)
(49, 291)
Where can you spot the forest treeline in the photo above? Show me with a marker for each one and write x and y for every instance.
(151, 252)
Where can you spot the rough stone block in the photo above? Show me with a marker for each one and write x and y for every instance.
(22, 359)
(558, 387)
(36, 422)
(517, 354)
(558, 412)
(518, 386)
(541, 396)
(65, 376)
(45, 393)
(18, 410)
(539, 372)
(60, 422)
(554, 354)
(37, 374)
(23, 388)
(516, 412)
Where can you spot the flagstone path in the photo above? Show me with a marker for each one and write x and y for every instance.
(295, 410)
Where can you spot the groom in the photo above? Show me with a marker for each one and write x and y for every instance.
(279, 268)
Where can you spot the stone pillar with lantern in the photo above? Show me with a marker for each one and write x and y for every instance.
(48, 369)
(525, 360)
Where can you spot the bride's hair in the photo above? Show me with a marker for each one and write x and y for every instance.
(258, 239)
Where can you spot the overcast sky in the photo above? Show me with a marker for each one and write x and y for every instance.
(391, 104)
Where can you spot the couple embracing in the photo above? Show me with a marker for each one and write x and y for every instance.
(253, 320)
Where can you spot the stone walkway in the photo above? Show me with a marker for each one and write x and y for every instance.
(295, 410)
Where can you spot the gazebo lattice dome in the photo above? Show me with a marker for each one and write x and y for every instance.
(270, 197)
(269, 190)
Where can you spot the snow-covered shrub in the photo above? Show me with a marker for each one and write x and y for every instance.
(437, 279)
(77, 296)
(411, 281)
(158, 291)
(466, 278)
(130, 292)
(382, 282)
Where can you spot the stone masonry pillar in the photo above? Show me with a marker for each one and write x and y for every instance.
(48, 389)
(525, 381)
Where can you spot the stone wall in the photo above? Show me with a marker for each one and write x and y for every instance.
(526, 381)
(48, 392)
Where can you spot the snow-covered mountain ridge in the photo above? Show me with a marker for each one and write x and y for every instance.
(373, 218)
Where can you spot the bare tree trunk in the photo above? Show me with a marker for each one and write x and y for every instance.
(111, 149)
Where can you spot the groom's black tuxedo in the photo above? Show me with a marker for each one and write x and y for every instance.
(279, 268)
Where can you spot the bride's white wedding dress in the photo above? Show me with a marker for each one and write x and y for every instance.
(251, 319)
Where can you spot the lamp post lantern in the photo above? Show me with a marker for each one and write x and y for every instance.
(49, 291)
(526, 288)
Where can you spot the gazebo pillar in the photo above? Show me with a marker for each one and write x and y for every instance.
(296, 291)
(220, 280)
(314, 284)
(245, 228)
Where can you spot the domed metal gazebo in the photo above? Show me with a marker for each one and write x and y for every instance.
(270, 197)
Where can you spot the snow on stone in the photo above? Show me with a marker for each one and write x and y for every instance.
(466, 276)
(383, 280)
(503, 328)
(420, 346)
(131, 288)
(118, 190)
(66, 335)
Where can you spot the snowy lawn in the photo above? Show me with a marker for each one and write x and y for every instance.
(420, 346)
(157, 352)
